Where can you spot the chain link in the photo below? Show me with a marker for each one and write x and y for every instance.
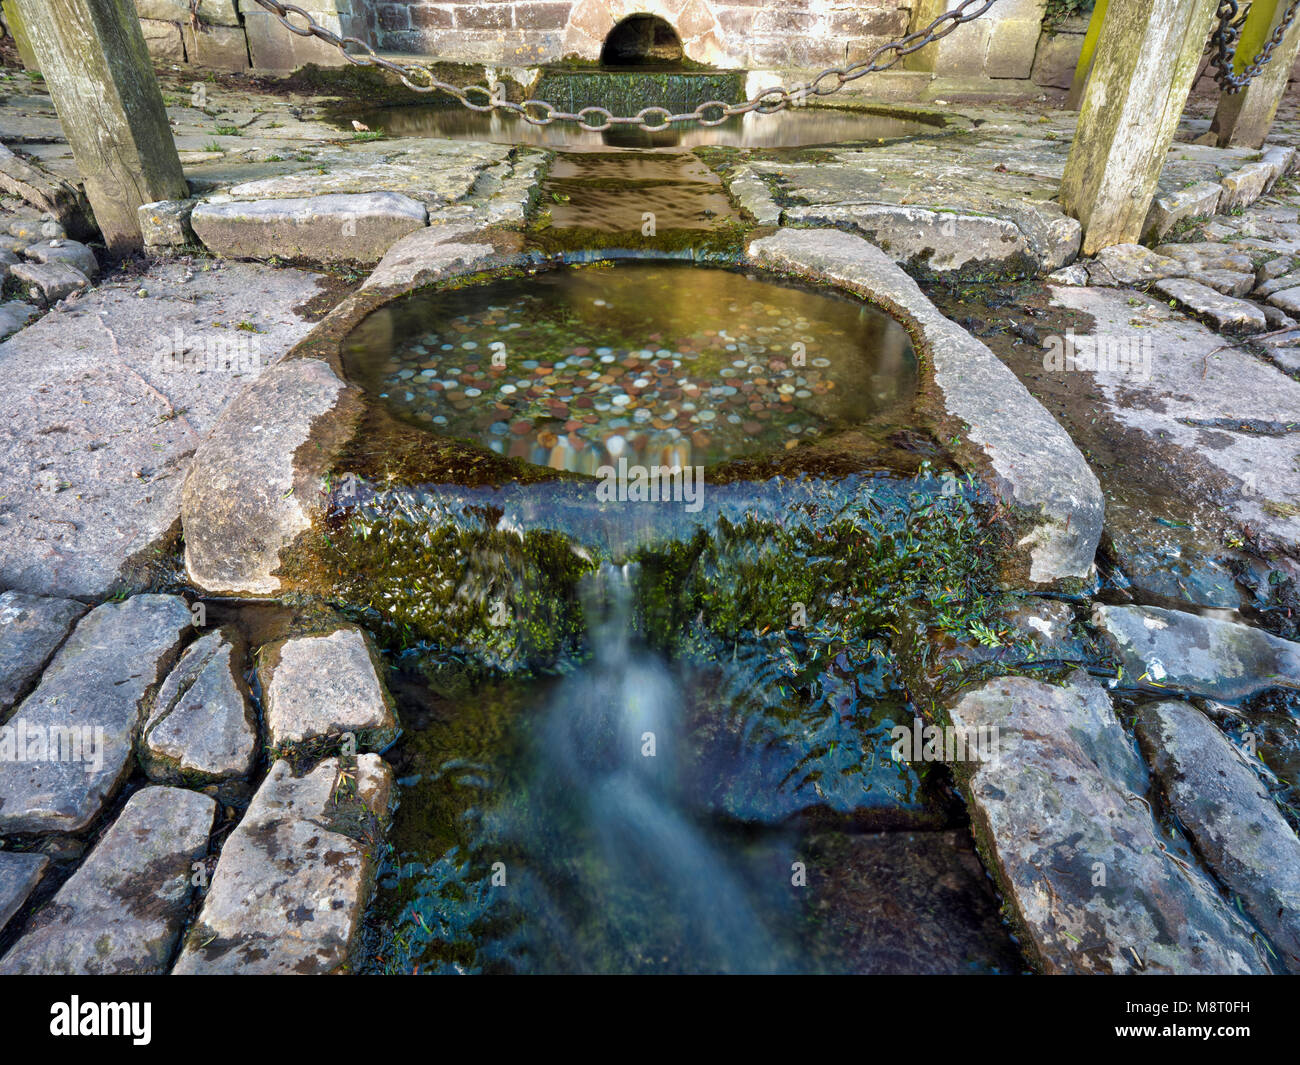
(598, 119)
(1228, 36)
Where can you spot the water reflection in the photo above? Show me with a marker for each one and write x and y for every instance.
(786, 129)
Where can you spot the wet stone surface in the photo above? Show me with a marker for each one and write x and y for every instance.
(662, 365)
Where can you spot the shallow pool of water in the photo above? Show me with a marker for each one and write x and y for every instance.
(801, 127)
(660, 364)
(703, 813)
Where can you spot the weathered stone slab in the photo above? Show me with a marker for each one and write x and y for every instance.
(1206, 255)
(1228, 282)
(1200, 200)
(14, 314)
(1230, 816)
(1278, 283)
(430, 255)
(295, 874)
(121, 912)
(316, 687)
(216, 47)
(50, 282)
(1226, 313)
(1287, 299)
(1168, 650)
(201, 728)
(166, 224)
(1034, 463)
(104, 404)
(937, 240)
(87, 708)
(257, 475)
(427, 184)
(163, 39)
(1216, 421)
(1131, 264)
(1243, 187)
(71, 252)
(31, 629)
(19, 875)
(752, 193)
(333, 228)
(1059, 814)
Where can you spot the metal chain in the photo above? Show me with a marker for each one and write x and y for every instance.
(598, 119)
(1226, 38)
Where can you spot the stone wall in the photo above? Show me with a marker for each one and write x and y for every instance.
(233, 35)
(1009, 44)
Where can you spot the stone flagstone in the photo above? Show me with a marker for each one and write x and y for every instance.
(31, 629)
(1060, 816)
(316, 687)
(1229, 814)
(88, 709)
(201, 728)
(1169, 650)
(121, 912)
(295, 875)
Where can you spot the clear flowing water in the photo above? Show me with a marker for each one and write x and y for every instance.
(662, 364)
(801, 127)
(633, 815)
(642, 736)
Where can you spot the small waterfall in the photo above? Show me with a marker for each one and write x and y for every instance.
(627, 92)
(641, 884)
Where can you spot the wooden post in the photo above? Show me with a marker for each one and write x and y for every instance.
(1243, 119)
(97, 69)
(1147, 57)
(1086, 56)
(16, 30)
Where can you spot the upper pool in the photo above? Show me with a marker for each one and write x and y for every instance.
(796, 128)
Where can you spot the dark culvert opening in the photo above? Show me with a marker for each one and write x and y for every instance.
(642, 40)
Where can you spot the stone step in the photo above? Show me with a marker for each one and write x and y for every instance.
(1169, 650)
(331, 228)
(322, 687)
(87, 709)
(295, 875)
(1062, 823)
(122, 911)
(1228, 813)
(201, 728)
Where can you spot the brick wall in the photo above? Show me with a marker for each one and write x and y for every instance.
(730, 33)
(737, 34)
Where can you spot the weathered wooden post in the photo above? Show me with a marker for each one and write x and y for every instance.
(1147, 56)
(16, 30)
(97, 69)
(1087, 55)
(1244, 118)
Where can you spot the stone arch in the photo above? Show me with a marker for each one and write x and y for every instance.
(641, 40)
(694, 22)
